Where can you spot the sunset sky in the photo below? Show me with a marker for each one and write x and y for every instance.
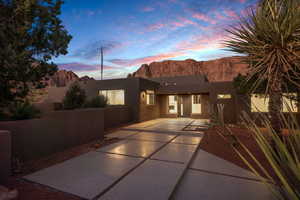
(134, 32)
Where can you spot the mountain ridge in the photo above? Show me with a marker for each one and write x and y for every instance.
(223, 69)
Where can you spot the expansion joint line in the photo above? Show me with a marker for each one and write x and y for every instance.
(131, 170)
(184, 173)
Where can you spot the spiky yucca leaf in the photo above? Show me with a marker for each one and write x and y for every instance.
(283, 156)
(269, 37)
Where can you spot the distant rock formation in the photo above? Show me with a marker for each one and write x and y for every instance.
(224, 69)
(56, 85)
(62, 78)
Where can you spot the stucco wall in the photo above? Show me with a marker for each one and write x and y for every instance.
(5, 156)
(148, 112)
(60, 130)
(116, 115)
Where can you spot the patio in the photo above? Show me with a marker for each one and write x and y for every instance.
(156, 159)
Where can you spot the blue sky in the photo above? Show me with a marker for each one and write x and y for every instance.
(134, 32)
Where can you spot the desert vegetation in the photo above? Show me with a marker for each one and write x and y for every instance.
(269, 38)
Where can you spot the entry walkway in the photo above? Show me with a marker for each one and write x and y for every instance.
(153, 164)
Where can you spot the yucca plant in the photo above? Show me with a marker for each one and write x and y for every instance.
(284, 159)
(269, 37)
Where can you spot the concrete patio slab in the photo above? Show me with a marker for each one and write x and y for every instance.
(175, 153)
(121, 134)
(209, 162)
(183, 139)
(153, 180)
(156, 137)
(87, 175)
(133, 148)
(199, 185)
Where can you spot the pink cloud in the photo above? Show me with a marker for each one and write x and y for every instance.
(201, 42)
(146, 60)
(219, 16)
(81, 67)
(205, 18)
(231, 13)
(181, 22)
(148, 9)
(154, 27)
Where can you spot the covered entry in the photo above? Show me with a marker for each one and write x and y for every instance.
(187, 105)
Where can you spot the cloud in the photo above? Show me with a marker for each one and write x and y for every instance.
(92, 50)
(231, 13)
(203, 42)
(145, 60)
(204, 17)
(154, 27)
(81, 67)
(148, 9)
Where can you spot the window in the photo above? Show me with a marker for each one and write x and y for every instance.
(172, 104)
(224, 96)
(114, 97)
(290, 102)
(150, 97)
(196, 104)
(259, 103)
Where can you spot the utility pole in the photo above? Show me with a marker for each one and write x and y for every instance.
(101, 49)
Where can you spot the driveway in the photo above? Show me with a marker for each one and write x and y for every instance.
(157, 159)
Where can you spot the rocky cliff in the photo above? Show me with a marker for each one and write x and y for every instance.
(63, 77)
(224, 69)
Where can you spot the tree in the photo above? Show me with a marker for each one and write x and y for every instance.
(269, 37)
(31, 34)
(75, 97)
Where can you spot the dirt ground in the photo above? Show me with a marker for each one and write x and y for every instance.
(221, 146)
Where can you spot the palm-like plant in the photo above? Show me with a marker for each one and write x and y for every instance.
(269, 37)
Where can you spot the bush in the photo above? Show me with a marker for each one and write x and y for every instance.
(96, 102)
(23, 110)
(3, 115)
(75, 97)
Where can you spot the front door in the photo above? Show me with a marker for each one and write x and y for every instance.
(184, 105)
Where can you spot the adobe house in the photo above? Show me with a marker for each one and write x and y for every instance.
(179, 96)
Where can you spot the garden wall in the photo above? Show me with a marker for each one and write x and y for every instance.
(5, 156)
(116, 115)
(60, 130)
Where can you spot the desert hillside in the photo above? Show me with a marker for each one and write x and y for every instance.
(224, 69)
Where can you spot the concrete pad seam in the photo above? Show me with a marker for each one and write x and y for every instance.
(131, 170)
(187, 125)
(168, 161)
(183, 173)
(228, 175)
(135, 139)
(132, 156)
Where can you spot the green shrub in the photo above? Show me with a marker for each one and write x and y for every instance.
(96, 102)
(75, 97)
(3, 115)
(23, 110)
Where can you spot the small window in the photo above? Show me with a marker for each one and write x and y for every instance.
(150, 97)
(196, 104)
(172, 104)
(114, 97)
(289, 101)
(259, 103)
(224, 96)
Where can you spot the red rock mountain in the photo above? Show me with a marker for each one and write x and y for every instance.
(224, 69)
(62, 77)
